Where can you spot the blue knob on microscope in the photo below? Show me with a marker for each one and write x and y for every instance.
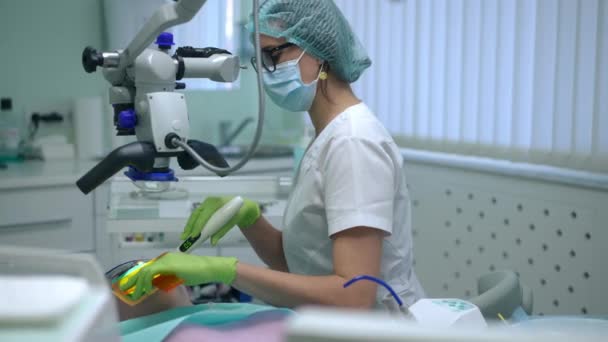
(165, 41)
(127, 119)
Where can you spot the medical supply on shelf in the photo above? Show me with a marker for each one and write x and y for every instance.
(89, 120)
(143, 239)
(54, 147)
(9, 131)
(158, 190)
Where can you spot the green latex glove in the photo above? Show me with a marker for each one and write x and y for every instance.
(247, 215)
(193, 269)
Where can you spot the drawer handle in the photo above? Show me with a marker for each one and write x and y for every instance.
(36, 224)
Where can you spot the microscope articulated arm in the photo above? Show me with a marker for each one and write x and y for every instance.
(167, 16)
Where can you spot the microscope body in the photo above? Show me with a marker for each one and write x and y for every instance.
(143, 95)
(147, 105)
(160, 110)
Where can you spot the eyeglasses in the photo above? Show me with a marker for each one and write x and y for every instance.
(270, 57)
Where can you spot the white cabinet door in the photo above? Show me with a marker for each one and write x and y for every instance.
(48, 217)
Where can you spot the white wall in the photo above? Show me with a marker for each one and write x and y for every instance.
(467, 222)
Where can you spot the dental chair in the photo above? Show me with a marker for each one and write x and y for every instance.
(501, 293)
(50, 295)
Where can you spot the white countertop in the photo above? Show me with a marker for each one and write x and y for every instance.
(66, 172)
(254, 166)
(38, 173)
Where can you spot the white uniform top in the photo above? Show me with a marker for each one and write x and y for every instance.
(351, 175)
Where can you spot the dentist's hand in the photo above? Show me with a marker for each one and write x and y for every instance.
(193, 269)
(246, 216)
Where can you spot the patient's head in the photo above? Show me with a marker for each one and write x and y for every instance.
(157, 302)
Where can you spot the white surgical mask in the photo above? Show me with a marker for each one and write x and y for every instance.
(286, 88)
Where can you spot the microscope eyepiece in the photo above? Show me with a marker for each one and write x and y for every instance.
(91, 59)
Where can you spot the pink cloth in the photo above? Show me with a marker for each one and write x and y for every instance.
(262, 326)
(273, 331)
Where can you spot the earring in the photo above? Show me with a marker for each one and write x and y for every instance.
(323, 74)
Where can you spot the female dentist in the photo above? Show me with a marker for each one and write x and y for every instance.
(349, 210)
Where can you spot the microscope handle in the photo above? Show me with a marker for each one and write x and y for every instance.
(137, 154)
(206, 151)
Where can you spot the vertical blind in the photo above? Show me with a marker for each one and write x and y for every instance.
(525, 80)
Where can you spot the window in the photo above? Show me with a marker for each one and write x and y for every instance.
(214, 26)
(525, 80)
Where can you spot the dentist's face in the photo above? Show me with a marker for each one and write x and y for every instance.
(309, 66)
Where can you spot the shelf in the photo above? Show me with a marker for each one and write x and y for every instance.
(157, 225)
(132, 212)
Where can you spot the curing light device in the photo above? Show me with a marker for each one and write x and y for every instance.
(168, 282)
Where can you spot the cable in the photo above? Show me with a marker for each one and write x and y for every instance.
(261, 108)
(378, 281)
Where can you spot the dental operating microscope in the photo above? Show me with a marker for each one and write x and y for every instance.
(146, 104)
